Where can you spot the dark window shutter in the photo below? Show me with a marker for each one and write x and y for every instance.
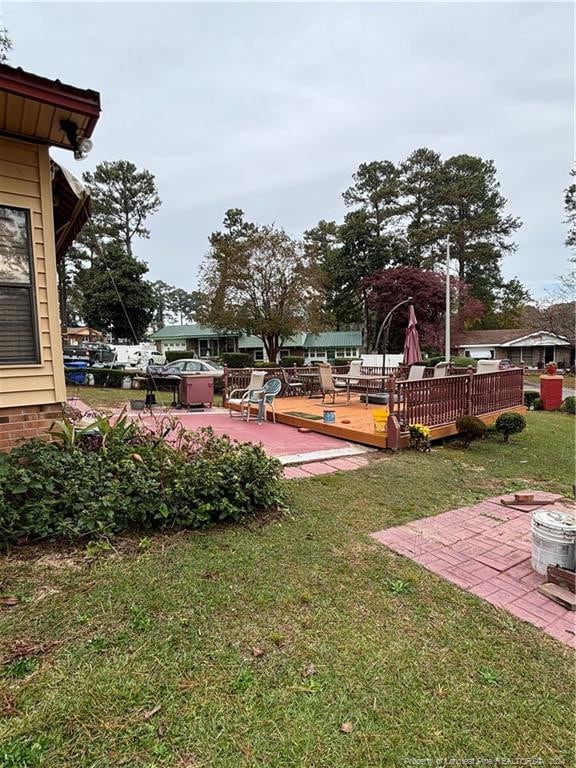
(17, 325)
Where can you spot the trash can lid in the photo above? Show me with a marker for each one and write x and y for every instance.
(555, 518)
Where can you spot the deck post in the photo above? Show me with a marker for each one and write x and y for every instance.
(393, 433)
(225, 382)
(390, 387)
(469, 390)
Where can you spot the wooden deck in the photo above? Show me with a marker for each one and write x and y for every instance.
(354, 421)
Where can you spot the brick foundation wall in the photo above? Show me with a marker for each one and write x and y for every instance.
(25, 422)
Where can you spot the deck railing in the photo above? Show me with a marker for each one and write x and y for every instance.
(239, 378)
(435, 402)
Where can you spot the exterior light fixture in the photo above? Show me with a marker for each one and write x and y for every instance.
(80, 146)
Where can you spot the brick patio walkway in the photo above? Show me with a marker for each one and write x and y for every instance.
(486, 549)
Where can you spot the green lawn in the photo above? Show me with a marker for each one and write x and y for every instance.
(104, 398)
(251, 645)
(534, 378)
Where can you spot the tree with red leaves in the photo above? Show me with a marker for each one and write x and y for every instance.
(387, 287)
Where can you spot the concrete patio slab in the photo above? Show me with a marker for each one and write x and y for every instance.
(486, 549)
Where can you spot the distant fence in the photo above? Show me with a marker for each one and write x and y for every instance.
(435, 402)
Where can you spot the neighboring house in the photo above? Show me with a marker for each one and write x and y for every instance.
(40, 214)
(82, 333)
(207, 342)
(203, 341)
(520, 345)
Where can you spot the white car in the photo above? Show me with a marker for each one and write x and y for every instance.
(194, 366)
(142, 358)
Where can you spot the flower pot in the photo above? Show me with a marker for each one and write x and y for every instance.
(551, 369)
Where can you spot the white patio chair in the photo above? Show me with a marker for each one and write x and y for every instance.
(488, 366)
(240, 396)
(416, 372)
(441, 370)
(355, 369)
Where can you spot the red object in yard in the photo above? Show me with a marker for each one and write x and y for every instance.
(551, 392)
(412, 352)
(197, 390)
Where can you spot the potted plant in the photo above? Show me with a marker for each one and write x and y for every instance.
(551, 369)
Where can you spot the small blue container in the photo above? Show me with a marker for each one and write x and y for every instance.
(329, 416)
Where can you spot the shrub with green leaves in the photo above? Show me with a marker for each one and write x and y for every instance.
(470, 428)
(237, 360)
(291, 360)
(510, 424)
(530, 398)
(115, 476)
(569, 405)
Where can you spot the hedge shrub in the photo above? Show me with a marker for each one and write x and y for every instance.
(111, 478)
(569, 405)
(237, 360)
(178, 354)
(530, 399)
(291, 360)
(463, 362)
(510, 424)
(470, 428)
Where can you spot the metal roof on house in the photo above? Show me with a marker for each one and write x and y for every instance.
(301, 340)
(334, 339)
(33, 107)
(189, 332)
(255, 342)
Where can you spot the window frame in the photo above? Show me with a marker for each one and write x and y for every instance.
(31, 287)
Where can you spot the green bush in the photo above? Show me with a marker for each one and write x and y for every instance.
(111, 478)
(111, 377)
(267, 366)
(341, 360)
(291, 360)
(510, 424)
(530, 399)
(463, 362)
(569, 405)
(538, 404)
(470, 428)
(178, 354)
(237, 360)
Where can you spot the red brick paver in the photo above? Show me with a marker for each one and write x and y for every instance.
(486, 549)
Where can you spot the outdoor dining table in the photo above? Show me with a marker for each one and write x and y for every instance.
(357, 377)
(309, 379)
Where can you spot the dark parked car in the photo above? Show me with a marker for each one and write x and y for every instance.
(98, 352)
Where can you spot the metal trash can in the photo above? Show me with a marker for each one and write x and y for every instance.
(196, 389)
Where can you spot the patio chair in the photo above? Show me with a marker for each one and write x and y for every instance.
(292, 386)
(239, 396)
(441, 370)
(416, 372)
(488, 366)
(327, 384)
(355, 369)
(262, 398)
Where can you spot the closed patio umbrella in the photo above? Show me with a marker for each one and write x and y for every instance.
(412, 352)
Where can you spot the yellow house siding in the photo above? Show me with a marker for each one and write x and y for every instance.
(25, 182)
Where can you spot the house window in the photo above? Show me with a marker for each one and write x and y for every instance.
(258, 354)
(18, 323)
(284, 353)
(208, 347)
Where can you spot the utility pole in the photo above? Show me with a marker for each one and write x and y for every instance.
(447, 322)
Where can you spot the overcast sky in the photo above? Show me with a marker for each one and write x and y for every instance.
(271, 107)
